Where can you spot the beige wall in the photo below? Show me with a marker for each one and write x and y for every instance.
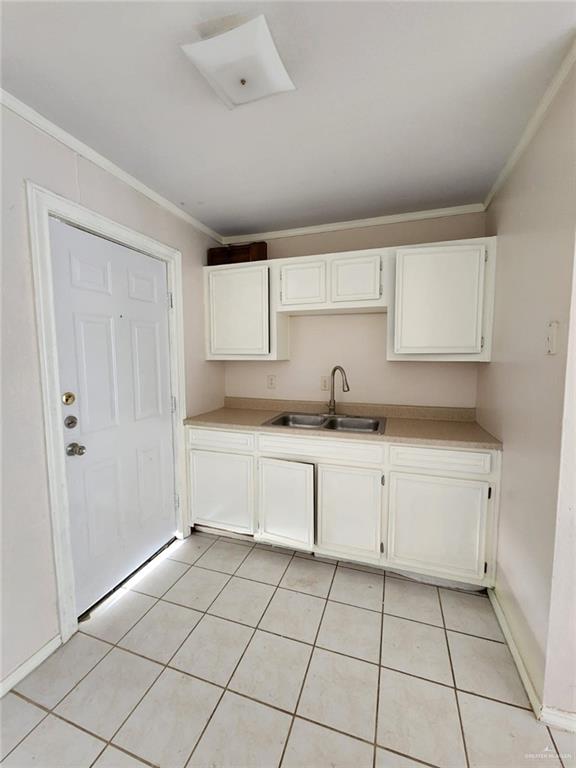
(28, 599)
(520, 394)
(358, 342)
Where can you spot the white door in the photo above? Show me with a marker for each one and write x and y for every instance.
(355, 278)
(286, 502)
(222, 490)
(438, 524)
(439, 300)
(349, 510)
(303, 283)
(113, 353)
(239, 311)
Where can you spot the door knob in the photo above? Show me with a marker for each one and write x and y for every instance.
(74, 449)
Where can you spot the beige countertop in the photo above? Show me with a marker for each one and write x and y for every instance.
(444, 433)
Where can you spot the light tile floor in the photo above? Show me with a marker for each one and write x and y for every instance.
(245, 656)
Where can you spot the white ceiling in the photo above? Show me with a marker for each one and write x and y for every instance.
(399, 106)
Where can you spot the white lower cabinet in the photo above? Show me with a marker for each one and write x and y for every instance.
(438, 524)
(349, 511)
(286, 502)
(222, 490)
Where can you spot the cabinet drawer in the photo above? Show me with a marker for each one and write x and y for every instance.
(310, 447)
(220, 439)
(469, 462)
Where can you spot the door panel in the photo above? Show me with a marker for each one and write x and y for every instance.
(356, 278)
(222, 490)
(438, 524)
(286, 502)
(113, 353)
(239, 311)
(303, 283)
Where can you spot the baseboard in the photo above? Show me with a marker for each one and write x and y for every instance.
(29, 665)
(558, 718)
(533, 696)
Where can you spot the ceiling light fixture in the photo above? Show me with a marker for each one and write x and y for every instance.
(242, 64)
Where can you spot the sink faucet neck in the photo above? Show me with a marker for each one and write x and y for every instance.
(345, 387)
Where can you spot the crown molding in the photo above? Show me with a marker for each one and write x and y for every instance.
(77, 146)
(436, 213)
(535, 122)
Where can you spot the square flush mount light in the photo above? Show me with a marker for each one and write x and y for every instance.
(242, 64)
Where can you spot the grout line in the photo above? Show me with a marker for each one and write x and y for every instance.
(551, 734)
(379, 677)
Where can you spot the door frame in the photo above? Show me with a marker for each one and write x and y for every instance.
(42, 204)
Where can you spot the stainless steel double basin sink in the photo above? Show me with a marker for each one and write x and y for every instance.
(326, 421)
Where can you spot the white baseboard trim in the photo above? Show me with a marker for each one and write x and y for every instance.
(533, 696)
(558, 718)
(29, 665)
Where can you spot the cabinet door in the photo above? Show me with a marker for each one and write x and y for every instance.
(286, 502)
(439, 300)
(355, 278)
(222, 490)
(349, 510)
(303, 283)
(438, 524)
(238, 311)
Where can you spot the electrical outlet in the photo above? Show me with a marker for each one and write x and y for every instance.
(324, 383)
(271, 381)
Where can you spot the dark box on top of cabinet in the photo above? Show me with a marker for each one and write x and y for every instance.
(237, 254)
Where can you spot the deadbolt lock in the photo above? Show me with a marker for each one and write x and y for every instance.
(70, 422)
(74, 449)
(68, 398)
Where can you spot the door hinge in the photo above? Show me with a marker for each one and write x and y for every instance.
(173, 403)
(482, 342)
(383, 480)
(490, 492)
(170, 299)
(382, 547)
(485, 567)
(485, 256)
(176, 501)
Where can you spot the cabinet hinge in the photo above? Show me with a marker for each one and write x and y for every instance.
(482, 343)
(172, 403)
(490, 492)
(170, 299)
(485, 256)
(485, 567)
(382, 547)
(383, 480)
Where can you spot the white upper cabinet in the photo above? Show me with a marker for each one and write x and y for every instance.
(443, 303)
(355, 278)
(238, 311)
(303, 282)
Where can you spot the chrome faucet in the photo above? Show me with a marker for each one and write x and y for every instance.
(345, 387)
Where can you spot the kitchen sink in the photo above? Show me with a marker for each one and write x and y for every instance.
(364, 424)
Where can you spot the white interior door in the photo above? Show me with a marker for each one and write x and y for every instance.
(111, 306)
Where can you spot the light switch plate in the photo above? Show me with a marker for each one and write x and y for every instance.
(324, 383)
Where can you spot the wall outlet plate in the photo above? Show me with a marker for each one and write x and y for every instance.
(271, 381)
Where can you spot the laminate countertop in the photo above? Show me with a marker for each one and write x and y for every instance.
(434, 432)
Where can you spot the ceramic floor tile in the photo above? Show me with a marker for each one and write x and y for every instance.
(242, 733)
(358, 588)
(167, 723)
(410, 600)
(308, 576)
(224, 556)
(17, 719)
(566, 745)
(242, 600)
(472, 614)
(485, 667)
(313, 746)
(351, 630)
(294, 615)
(111, 620)
(115, 758)
(415, 648)
(157, 580)
(272, 670)
(191, 549)
(419, 719)
(341, 693)
(55, 744)
(386, 759)
(499, 735)
(105, 697)
(159, 634)
(52, 680)
(197, 588)
(213, 649)
(262, 565)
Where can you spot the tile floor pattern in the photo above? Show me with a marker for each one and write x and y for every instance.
(239, 655)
